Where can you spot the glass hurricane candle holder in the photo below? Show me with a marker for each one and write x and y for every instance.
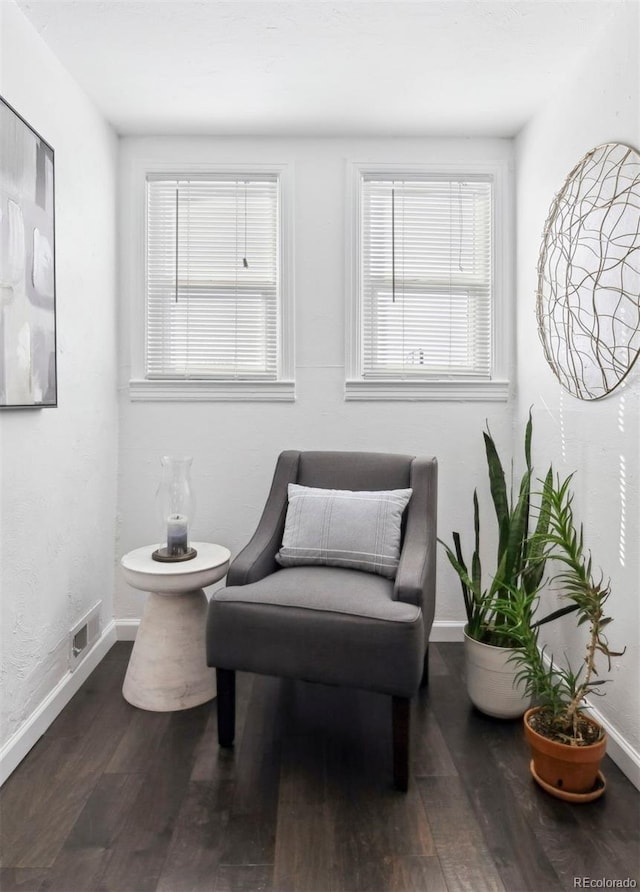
(176, 505)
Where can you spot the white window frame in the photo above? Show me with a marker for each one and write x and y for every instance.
(357, 387)
(142, 388)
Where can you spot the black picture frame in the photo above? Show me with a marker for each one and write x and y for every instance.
(28, 354)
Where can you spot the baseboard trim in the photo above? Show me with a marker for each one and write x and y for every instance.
(626, 758)
(28, 734)
(441, 630)
(447, 630)
(126, 629)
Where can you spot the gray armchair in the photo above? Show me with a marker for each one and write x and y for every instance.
(324, 623)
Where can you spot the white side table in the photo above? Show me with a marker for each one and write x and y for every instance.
(168, 665)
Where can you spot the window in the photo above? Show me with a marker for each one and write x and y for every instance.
(424, 290)
(217, 314)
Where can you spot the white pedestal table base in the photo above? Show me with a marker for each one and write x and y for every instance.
(168, 665)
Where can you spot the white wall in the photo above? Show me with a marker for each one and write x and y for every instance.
(599, 103)
(235, 445)
(58, 466)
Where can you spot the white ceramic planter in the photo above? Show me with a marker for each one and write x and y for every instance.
(490, 680)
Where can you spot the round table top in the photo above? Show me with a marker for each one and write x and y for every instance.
(142, 572)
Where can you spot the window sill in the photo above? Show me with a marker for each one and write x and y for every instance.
(146, 390)
(444, 391)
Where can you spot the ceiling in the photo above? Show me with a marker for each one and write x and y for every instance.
(319, 67)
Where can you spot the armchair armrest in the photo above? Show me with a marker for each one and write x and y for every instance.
(257, 558)
(416, 576)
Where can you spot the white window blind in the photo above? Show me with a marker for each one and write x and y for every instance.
(212, 277)
(426, 277)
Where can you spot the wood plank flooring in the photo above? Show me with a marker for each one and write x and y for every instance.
(115, 798)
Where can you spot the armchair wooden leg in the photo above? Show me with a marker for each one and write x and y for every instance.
(424, 681)
(401, 713)
(226, 681)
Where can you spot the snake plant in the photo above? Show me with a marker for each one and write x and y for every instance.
(508, 601)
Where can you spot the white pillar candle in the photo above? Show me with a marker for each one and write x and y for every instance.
(177, 534)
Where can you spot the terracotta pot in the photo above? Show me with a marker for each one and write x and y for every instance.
(564, 768)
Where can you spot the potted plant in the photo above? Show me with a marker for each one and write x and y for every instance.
(496, 613)
(567, 746)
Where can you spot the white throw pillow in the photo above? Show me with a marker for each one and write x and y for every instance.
(341, 528)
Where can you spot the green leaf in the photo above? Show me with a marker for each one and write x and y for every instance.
(457, 562)
(476, 569)
(536, 558)
(518, 530)
(527, 441)
(498, 487)
(563, 611)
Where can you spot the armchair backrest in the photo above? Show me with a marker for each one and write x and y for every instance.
(415, 579)
(354, 470)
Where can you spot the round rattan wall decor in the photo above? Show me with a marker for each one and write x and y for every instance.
(588, 298)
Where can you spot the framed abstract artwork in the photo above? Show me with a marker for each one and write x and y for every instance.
(28, 375)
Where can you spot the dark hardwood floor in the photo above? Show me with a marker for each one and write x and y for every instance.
(115, 798)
